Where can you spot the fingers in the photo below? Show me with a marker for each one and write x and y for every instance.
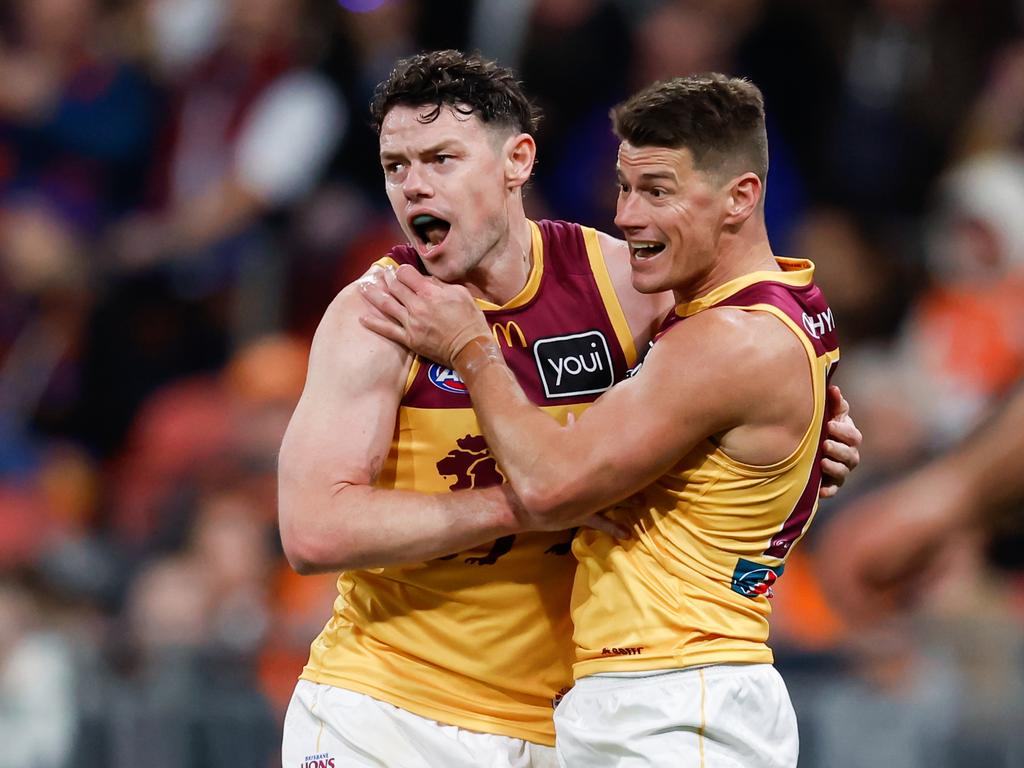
(845, 431)
(828, 491)
(841, 454)
(601, 523)
(838, 406)
(410, 278)
(397, 285)
(380, 297)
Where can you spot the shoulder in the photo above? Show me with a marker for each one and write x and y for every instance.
(751, 338)
(341, 342)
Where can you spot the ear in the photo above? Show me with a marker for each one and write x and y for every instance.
(520, 152)
(744, 195)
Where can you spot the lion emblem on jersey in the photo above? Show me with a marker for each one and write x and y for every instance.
(472, 466)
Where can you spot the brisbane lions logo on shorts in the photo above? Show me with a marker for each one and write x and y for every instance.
(752, 579)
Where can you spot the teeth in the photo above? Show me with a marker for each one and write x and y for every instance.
(646, 250)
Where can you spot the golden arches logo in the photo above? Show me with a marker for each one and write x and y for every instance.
(509, 331)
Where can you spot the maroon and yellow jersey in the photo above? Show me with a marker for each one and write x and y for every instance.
(692, 584)
(482, 639)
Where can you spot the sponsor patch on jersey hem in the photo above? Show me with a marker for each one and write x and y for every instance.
(753, 580)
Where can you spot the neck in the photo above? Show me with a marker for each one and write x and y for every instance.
(737, 254)
(503, 272)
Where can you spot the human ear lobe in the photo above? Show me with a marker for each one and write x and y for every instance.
(521, 151)
(744, 195)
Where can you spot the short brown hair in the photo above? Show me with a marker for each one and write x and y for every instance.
(468, 83)
(719, 119)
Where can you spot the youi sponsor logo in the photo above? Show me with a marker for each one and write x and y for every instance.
(578, 364)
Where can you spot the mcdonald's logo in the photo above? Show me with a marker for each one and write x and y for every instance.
(509, 331)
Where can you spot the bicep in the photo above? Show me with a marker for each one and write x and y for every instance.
(343, 424)
(642, 427)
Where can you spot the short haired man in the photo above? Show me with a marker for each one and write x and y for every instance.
(713, 448)
(434, 658)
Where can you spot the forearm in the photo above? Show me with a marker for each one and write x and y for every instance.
(359, 526)
(520, 436)
(990, 463)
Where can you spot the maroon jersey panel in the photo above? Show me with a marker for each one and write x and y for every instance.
(559, 343)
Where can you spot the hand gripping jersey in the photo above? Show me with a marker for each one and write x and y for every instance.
(482, 639)
(692, 584)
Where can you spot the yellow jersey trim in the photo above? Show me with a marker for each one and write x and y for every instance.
(795, 272)
(759, 470)
(411, 377)
(599, 268)
(532, 282)
(385, 261)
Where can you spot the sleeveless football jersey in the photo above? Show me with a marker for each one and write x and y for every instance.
(708, 539)
(482, 639)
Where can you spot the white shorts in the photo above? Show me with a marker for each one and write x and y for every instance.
(329, 727)
(718, 716)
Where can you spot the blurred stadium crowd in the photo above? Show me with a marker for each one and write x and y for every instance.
(184, 185)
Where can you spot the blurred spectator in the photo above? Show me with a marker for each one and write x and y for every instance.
(182, 32)
(201, 436)
(76, 127)
(76, 121)
(38, 708)
(959, 347)
(574, 95)
(189, 702)
(252, 128)
(888, 549)
(997, 120)
(963, 339)
(908, 71)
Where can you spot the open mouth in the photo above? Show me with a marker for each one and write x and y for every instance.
(645, 250)
(430, 230)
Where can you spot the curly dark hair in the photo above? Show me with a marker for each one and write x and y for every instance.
(468, 83)
(719, 119)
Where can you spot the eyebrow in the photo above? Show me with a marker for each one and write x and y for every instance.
(650, 176)
(451, 144)
(658, 176)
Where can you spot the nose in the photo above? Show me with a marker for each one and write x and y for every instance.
(415, 185)
(627, 212)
